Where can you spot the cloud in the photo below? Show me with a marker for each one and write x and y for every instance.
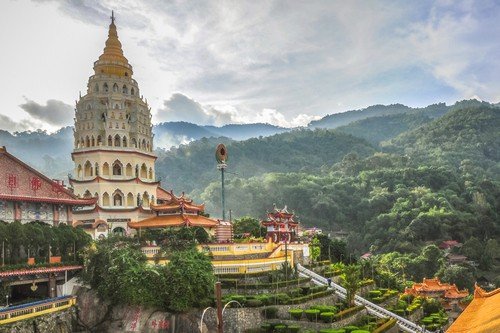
(54, 112)
(7, 124)
(180, 107)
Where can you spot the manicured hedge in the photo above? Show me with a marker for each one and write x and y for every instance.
(332, 330)
(309, 297)
(374, 293)
(296, 313)
(280, 328)
(325, 308)
(348, 312)
(293, 328)
(351, 328)
(233, 283)
(386, 326)
(327, 317)
(312, 314)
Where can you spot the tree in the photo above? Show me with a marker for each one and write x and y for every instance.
(315, 249)
(459, 275)
(248, 225)
(190, 280)
(351, 281)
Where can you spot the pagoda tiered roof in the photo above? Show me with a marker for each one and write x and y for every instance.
(279, 217)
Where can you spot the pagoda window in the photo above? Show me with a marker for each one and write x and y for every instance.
(143, 144)
(116, 125)
(96, 168)
(110, 139)
(117, 140)
(87, 141)
(92, 141)
(144, 171)
(147, 145)
(79, 171)
(105, 199)
(150, 173)
(88, 106)
(134, 143)
(87, 169)
(96, 88)
(99, 140)
(145, 199)
(117, 200)
(124, 143)
(128, 170)
(123, 125)
(132, 91)
(105, 169)
(117, 106)
(112, 115)
(105, 87)
(117, 168)
(125, 89)
(130, 200)
(87, 194)
(115, 87)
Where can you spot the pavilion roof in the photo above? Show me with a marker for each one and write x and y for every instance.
(482, 315)
(175, 220)
(174, 203)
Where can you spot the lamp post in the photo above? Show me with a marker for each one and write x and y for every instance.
(221, 157)
(7, 300)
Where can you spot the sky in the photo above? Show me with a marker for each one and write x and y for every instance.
(279, 62)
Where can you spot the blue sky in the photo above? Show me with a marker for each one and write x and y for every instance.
(218, 62)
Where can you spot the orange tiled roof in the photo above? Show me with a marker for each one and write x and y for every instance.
(434, 285)
(482, 315)
(177, 220)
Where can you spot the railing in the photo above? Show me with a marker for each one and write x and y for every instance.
(35, 309)
(250, 266)
(221, 249)
(372, 308)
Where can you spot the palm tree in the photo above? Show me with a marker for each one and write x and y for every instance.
(351, 282)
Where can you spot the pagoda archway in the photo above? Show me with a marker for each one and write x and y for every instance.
(119, 231)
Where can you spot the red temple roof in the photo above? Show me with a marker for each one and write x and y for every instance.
(20, 182)
(433, 286)
(174, 203)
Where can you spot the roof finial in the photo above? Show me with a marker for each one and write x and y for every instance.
(112, 17)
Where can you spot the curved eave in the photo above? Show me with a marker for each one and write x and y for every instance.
(98, 179)
(166, 221)
(73, 202)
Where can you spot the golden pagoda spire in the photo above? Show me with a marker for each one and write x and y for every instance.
(112, 60)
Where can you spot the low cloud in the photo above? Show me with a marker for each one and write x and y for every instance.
(7, 124)
(54, 112)
(180, 107)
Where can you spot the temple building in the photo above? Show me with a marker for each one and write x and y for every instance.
(280, 226)
(174, 212)
(26, 195)
(449, 294)
(482, 315)
(113, 146)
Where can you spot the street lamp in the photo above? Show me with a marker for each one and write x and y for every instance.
(7, 301)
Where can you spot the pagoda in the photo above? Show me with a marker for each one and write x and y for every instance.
(113, 146)
(280, 225)
(449, 294)
(175, 212)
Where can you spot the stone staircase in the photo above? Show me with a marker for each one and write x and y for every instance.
(372, 308)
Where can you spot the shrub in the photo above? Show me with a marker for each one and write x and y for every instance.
(377, 300)
(312, 314)
(349, 329)
(296, 313)
(399, 312)
(253, 303)
(293, 328)
(280, 328)
(305, 290)
(427, 321)
(238, 298)
(296, 292)
(270, 312)
(317, 289)
(266, 328)
(374, 293)
(348, 312)
(264, 299)
(386, 326)
(332, 330)
(283, 298)
(327, 317)
(360, 331)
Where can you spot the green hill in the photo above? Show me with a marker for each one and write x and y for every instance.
(472, 133)
(193, 166)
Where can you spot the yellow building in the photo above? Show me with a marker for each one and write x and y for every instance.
(482, 315)
(113, 151)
